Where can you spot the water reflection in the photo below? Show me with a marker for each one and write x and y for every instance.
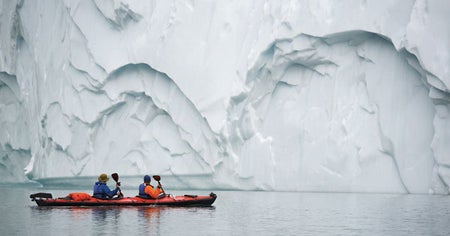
(149, 219)
(149, 213)
(60, 219)
(78, 213)
(106, 219)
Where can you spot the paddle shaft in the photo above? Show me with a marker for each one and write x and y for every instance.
(161, 187)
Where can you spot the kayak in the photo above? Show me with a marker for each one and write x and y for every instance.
(84, 199)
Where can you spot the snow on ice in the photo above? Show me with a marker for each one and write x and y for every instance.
(271, 95)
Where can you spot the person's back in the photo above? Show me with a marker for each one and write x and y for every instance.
(101, 190)
(142, 190)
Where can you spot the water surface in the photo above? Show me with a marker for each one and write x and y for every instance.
(233, 213)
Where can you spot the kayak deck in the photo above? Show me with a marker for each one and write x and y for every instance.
(46, 199)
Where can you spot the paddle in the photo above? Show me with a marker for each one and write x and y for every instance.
(158, 178)
(115, 176)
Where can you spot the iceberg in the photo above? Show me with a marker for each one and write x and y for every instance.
(348, 96)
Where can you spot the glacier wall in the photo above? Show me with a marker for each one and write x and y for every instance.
(348, 96)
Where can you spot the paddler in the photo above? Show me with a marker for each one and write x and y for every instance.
(101, 190)
(146, 190)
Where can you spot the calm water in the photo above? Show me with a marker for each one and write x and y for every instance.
(234, 213)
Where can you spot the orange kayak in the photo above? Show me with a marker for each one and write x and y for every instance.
(46, 199)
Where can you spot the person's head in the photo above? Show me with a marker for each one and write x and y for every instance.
(103, 178)
(147, 179)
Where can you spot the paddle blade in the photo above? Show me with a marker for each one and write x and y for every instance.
(157, 177)
(115, 177)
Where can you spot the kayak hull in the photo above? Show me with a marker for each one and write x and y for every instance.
(45, 199)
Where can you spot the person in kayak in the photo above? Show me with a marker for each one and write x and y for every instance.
(146, 190)
(101, 190)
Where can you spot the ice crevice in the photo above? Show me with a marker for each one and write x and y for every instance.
(14, 146)
(118, 14)
(153, 102)
(310, 100)
(151, 111)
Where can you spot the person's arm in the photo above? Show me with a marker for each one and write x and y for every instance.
(108, 191)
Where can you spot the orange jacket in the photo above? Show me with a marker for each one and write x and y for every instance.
(151, 191)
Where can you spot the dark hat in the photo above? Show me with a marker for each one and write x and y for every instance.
(146, 179)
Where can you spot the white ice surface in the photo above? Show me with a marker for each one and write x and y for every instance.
(272, 95)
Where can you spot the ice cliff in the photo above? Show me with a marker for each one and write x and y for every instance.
(349, 96)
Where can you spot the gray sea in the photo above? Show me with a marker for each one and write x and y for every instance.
(233, 213)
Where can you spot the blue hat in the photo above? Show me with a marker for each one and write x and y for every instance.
(146, 179)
